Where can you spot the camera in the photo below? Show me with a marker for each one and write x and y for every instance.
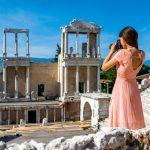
(118, 45)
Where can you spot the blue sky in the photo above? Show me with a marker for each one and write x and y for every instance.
(44, 17)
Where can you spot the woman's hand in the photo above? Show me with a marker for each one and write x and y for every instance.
(113, 48)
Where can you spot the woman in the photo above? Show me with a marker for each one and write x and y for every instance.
(125, 109)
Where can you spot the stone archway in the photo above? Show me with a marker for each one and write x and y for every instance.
(87, 112)
(94, 105)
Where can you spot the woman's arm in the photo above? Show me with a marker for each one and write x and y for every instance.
(109, 63)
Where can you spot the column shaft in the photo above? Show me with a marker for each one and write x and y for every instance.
(16, 116)
(66, 44)
(0, 116)
(4, 65)
(28, 82)
(47, 114)
(26, 115)
(54, 115)
(16, 44)
(77, 80)
(65, 80)
(107, 87)
(38, 115)
(98, 78)
(62, 42)
(4, 45)
(98, 44)
(16, 82)
(4, 82)
(27, 46)
(62, 115)
(88, 45)
(8, 116)
(77, 44)
(88, 78)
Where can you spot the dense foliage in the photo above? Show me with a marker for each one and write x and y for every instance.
(111, 75)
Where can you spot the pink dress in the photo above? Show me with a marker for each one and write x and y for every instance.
(125, 109)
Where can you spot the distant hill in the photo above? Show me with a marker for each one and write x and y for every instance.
(147, 62)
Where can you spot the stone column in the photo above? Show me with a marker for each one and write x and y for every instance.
(26, 115)
(66, 44)
(54, 115)
(4, 45)
(38, 115)
(88, 78)
(0, 117)
(88, 45)
(98, 79)
(77, 80)
(27, 45)
(16, 116)
(27, 82)
(8, 116)
(65, 80)
(47, 113)
(77, 44)
(16, 44)
(98, 44)
(107, 87)
(4, 81)
(62, 42)
(62, 115)
(4, 66)
(16, 82)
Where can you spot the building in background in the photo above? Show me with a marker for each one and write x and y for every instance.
(33, 91)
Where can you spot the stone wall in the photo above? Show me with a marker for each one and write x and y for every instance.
(44, 73)
(40, 73)
(82, 78)
(104, 139)
(145, 83)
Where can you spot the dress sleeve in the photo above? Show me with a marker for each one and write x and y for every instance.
(119, 56)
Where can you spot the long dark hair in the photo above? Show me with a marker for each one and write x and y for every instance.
(130, 35)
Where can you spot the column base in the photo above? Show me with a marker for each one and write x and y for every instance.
(4, 95)
(77, 55)
(16, 96)
(99, 55)
(65, 94)
(76, 93)
(27, 96)
(66, 55)
(88, 55)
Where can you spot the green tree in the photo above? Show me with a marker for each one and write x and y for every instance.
(58, 50)
(111, 75)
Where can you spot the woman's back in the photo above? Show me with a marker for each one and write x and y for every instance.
(130, 62)
(137, 58)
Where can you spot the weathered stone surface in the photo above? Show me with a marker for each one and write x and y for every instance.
(55, 144)
(106, 138)
(44, 122)
(2, 145)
